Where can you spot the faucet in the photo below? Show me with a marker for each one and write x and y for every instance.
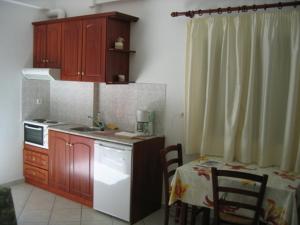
(97, 123)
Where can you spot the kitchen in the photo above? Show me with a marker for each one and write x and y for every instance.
(151, 85)
(75, 102)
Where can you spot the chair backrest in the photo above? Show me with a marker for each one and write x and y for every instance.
(257, 195)
(171, 158)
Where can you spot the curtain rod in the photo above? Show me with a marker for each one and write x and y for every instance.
(238, 9)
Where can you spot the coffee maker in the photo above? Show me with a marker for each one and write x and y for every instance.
(144, 122)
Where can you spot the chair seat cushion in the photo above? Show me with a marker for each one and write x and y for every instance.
(235, 219)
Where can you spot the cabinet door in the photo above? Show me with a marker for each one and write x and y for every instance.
(71, 50)
(81, 166)
(59, 153)
(93, 51)
(39, 42)
(53, 45)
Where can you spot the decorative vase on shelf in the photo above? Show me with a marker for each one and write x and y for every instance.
(119, 44)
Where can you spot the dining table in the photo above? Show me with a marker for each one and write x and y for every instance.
(192, 185)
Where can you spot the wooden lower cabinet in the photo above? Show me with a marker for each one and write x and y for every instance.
(35, 165)
(71, 166)
(36, 174)
(70, 159)
(81, 166)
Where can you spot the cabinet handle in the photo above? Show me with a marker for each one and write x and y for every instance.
(68, 144)
(82, 73)
(47, 60)
(33, 159)
(78, 73)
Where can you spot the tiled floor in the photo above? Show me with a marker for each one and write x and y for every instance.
(35, 206)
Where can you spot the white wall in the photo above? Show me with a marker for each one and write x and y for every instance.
(159, 41)
(15, 53)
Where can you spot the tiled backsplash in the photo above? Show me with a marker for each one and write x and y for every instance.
(75, 101)
(33, 91)
(71, 101)
(119, 103)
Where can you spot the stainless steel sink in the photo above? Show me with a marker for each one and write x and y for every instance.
(85, 129)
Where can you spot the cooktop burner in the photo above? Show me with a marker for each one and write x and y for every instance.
(51, 121)
(39, 120)
(45, 121)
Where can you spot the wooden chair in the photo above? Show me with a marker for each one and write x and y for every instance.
(171, 158)
(169, 164)
(228, 218)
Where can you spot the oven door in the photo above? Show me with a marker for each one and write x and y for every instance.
(34, 134)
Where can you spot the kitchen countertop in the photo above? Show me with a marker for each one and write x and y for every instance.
(107, 135)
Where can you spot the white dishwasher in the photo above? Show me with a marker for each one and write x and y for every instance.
(112, 179)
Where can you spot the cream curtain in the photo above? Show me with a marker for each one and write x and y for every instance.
(243, 88)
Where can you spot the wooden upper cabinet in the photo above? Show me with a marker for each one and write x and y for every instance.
(81, 166)
(39, 53)
(84, 47)
(53, 59)
(93, 54)
(71, 50)
(59, 159)
(47, 45)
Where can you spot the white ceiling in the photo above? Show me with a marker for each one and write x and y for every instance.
(38, 4)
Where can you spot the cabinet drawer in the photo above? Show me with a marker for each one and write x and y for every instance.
(36, 174)
(36, 159)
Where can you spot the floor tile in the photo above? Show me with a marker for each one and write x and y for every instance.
(63, 203)
(63, 215)
(38, 207)
(66, 223)
(96, 223)
(40, 200)
(20, 194)
(18, 210)
(93, 215)
(35, 216)
(117, 221)
(33, 223)
(155, 218)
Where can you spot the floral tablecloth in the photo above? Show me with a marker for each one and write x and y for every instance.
(192, 184)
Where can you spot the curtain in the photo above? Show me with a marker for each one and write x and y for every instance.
(242, 88)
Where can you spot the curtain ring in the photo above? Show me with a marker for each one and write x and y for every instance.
(279, 5)
(265, 7)
(190, 14)
(219, 11)
(200, 12)
(254, 8)
(244, 8)
(229, 10)
(295, 6)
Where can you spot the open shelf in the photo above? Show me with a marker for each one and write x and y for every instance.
(121, 50)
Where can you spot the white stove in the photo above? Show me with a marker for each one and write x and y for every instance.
(36, 131)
